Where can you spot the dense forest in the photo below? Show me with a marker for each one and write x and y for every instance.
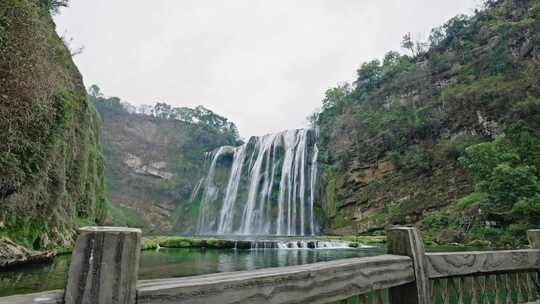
(446, 136)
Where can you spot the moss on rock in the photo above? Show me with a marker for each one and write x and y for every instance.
(51, 167)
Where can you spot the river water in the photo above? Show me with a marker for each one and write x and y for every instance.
(168, 262)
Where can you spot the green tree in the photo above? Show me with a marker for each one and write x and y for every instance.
(436, 37)
(506, 175)
(54, 5)
(336, 97)
(369, 76)
(95, 91)
(407, 43)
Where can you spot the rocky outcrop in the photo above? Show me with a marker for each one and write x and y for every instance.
(51, 165)
(154, 169)
(12, 254)
(391, 142)
(152, 162)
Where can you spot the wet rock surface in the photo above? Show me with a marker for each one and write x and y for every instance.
(12, 253)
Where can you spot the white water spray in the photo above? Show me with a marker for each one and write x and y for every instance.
(254, 203)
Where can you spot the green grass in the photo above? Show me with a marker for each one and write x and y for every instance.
(123, 216)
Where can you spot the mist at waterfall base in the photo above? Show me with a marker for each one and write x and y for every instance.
(268, 186)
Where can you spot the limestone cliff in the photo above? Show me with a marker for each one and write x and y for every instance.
(154, 158)
(391, 141)
(51, 166)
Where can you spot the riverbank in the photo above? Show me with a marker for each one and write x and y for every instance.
(12, 254)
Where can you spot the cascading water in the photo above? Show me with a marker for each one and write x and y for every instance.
(272, 187)
(226, 215)
(313, 182)
(210, 193)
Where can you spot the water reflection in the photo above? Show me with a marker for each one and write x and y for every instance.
(173, 263)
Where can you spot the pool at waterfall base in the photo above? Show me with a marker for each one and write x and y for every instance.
(179, 262)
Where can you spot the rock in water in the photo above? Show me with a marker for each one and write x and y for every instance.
(12, 253)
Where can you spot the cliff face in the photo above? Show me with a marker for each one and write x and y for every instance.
(392, 140)
(154, 160)
(51, 166)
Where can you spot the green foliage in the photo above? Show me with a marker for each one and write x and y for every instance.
(528, 107)
(63, 114)
(199, 116)
(507, 190)
(368, 76)
(422, 159)
(483, 158)
(427, 111)
(395, 158)
(440, 221)
(507, 179)
(54, 5)
(416, 48)
(407, 43)
(415, 158)
(438, 63)
(528, 208)
(124, 216)
(454, 147)
(50, 159)
(398, 212)
(472, 200)
(329, 174)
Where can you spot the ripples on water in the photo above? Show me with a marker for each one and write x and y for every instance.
(173, 263)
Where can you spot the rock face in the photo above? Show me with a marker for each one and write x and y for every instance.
(12, 254)
(51, 166)
(390, 148)
(154, 169)
(153, 162)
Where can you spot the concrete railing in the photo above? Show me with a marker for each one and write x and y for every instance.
(105, 262)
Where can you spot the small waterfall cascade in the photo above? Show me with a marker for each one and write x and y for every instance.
(267, 186)
(306, 244)
(210, 193)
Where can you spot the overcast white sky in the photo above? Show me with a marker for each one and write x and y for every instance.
(264, 64)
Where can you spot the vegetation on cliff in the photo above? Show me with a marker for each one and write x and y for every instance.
(51, 166)
(154, 157)
(407, 138)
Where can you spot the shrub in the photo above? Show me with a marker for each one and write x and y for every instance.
(454, 147)
(395, 159)
(54, 6)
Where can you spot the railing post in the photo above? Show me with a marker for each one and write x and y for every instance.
(104, 266)
(534, 238)
(407, 241)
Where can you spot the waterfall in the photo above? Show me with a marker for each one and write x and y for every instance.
(312, 185)
(210, 194)
(271, 187)
(285, 184)
(226, 214)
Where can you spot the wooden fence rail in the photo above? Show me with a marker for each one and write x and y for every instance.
(105, 263)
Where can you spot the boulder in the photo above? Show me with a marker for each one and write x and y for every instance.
(12, 253)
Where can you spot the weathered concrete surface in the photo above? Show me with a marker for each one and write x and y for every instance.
(534, 238)
(104, 266)
(48, 297)
(451, 264)
(324, 282)
(407, 241)
(12, 253)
